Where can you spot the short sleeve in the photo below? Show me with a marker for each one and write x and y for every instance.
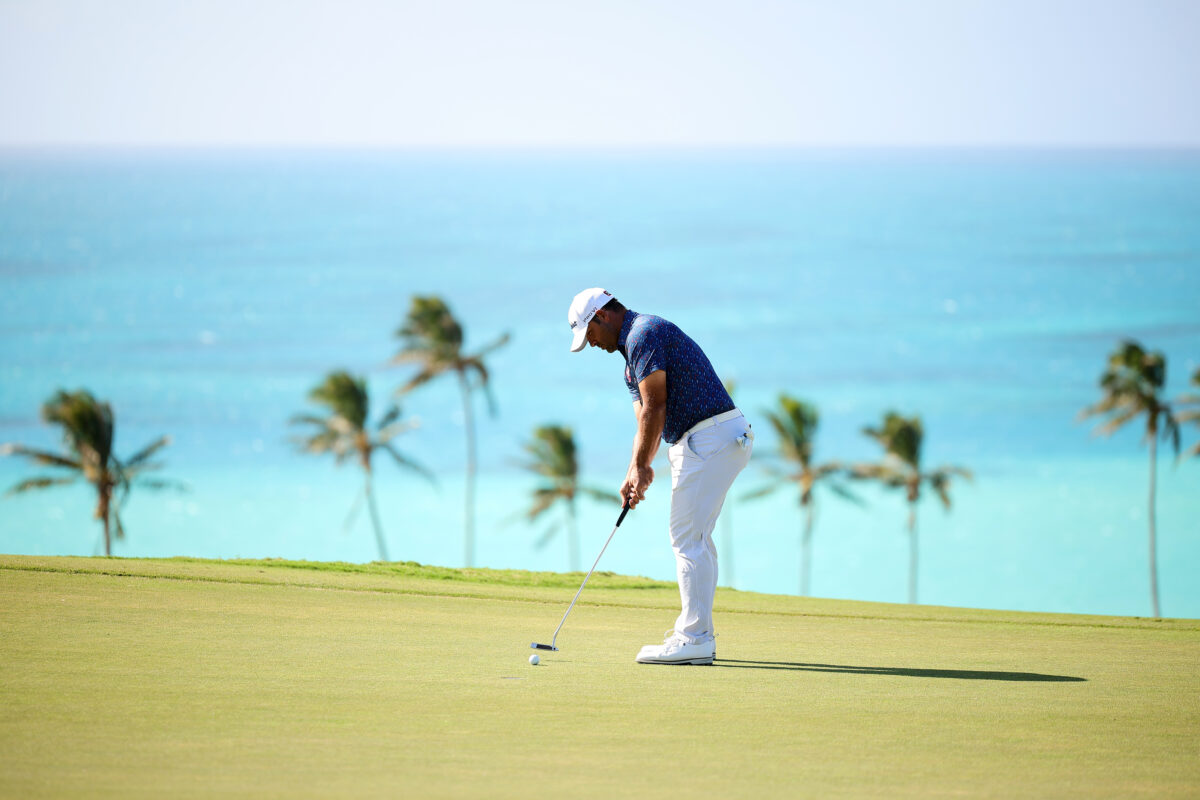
(631, 384)
(646, 355)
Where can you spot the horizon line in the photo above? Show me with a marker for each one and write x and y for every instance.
(588, 148)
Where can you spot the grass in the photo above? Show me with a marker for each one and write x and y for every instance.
(182, 678)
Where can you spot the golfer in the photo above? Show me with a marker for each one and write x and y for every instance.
(676, 397)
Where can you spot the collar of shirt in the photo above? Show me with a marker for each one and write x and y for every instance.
(630, 316)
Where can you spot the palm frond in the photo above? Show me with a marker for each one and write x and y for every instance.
(553, 453)
(408, 463)
(940, 478)
(544, 498)
(147, 451)
(887, 473)
(421, 378)
(1106, 405)
(873, 472)
(430, 325)
(420, 355)
(776, 473)
(844, 493)
(430, 337)
(322, 442)
(343, 426)
(127, 474)
(40, 482)
(1111, 426)
(307, 419)
(1170, 431)
(827, 470)
(346, 396)
(944, 495)
(763, 491)
(957, 472)
(474, 366)
(548, 536)
(490, 397)
(1130, 386)
(40, 456)
(901, 437)
(795, 423)
(86, 422)
(601, 495)
(501, 340)
(393, 414)
(385, 435)
(160, 484)
(122, 482)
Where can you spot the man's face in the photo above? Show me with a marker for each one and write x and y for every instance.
(603, 332)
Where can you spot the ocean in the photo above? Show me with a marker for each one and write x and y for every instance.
(204, 293)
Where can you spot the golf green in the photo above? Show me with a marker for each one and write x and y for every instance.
(183, 678)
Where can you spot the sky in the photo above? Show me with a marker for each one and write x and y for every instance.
(618, 73)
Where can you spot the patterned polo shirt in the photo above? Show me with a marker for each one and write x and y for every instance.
(694, 392)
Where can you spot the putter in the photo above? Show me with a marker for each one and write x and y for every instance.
(620, 519)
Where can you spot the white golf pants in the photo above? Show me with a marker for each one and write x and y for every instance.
(704, 463)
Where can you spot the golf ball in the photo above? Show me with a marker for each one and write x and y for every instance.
(533, 659)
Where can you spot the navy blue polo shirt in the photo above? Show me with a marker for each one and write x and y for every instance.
(694, 392)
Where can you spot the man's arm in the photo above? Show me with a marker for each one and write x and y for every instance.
(651, 416)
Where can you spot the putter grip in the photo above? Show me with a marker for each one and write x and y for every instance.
(624, 511)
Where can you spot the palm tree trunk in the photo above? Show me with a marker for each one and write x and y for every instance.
(102, 511)
(912, 553)
(107, 538)
(469, 500)
(379, 541)
(572, 538)
(806, 552)
(1153, 554)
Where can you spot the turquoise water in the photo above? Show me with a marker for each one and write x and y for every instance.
(205, 293)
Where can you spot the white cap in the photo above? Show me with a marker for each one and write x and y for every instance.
(583, 308)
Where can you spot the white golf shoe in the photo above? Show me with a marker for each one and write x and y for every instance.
(677, 650)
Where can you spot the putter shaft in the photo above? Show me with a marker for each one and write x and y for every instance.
(554, 640)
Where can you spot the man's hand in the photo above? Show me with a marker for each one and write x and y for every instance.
(633, 490)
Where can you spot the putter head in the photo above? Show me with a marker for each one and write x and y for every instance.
(537, 646)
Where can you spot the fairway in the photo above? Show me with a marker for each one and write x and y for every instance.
(181, 678)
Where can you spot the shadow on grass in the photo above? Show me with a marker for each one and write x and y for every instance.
(960, 674)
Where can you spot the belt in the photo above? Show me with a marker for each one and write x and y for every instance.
(708, 423)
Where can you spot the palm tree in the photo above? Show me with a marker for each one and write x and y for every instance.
(795, 423)
(433, 340)
(552, 450)
(901, 439)
(1192, 401)
(1131, 385)
(344, 433)
(88, 430)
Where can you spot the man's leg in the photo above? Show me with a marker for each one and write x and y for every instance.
(702, 470)
(712, 553)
